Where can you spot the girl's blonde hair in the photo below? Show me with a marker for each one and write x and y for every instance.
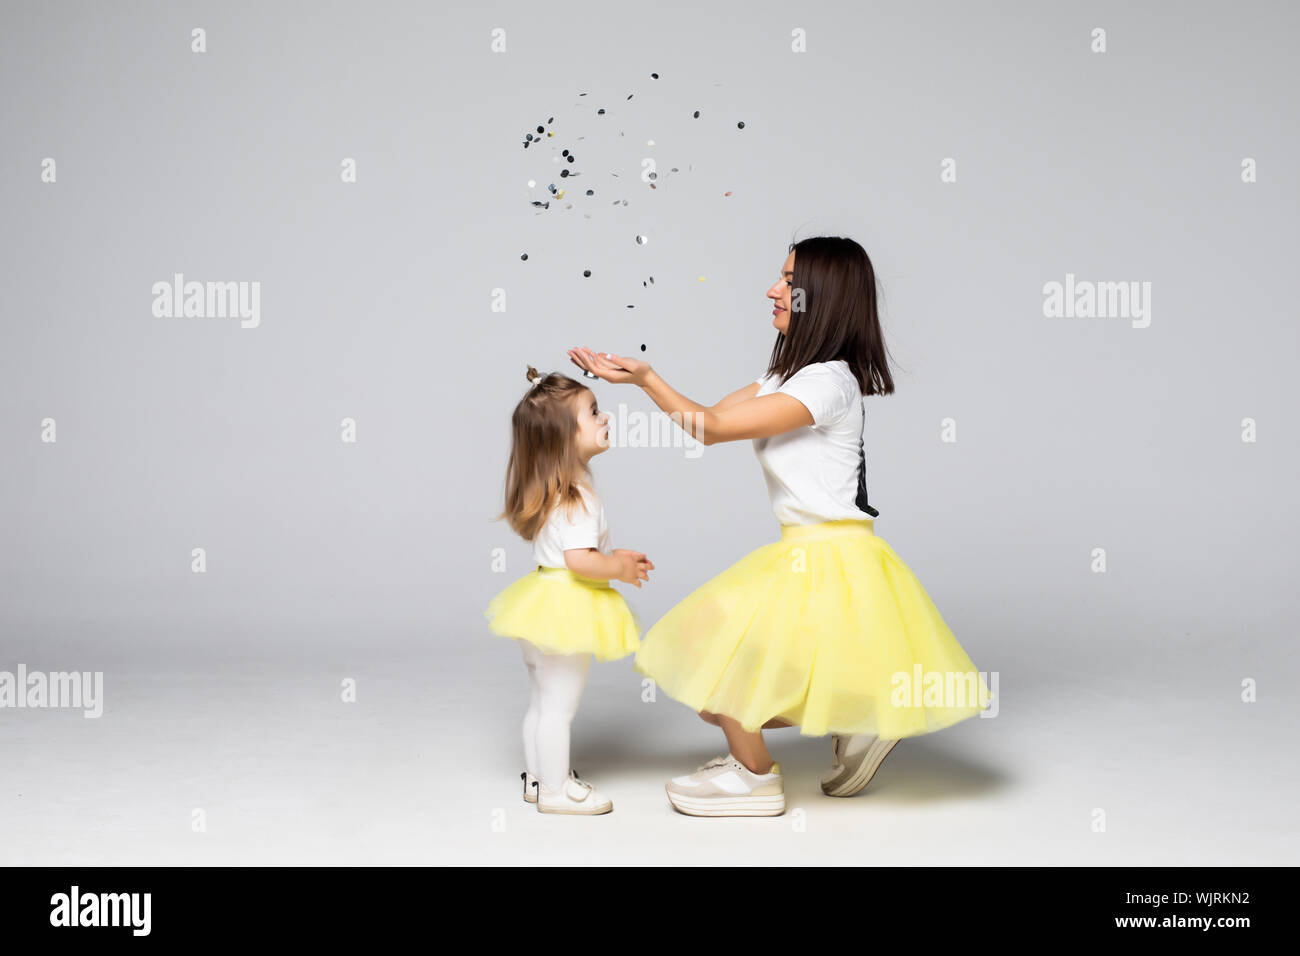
(544, 468)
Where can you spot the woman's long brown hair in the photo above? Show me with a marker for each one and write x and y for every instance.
(544, 468)
(838, 318)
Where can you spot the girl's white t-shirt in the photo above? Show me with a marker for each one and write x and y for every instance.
(812, 472)
(585, 529)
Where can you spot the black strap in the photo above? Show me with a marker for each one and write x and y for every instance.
(861, 501)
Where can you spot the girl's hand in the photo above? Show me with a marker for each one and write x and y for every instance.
(612, 368)
(634, 567)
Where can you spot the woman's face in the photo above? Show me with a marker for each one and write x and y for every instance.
(780, 295)
(593, 425)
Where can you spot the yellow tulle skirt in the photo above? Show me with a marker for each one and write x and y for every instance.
(563, 613)
(826, 629)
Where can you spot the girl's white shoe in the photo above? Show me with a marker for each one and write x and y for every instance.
(531, 782)
(575, 797)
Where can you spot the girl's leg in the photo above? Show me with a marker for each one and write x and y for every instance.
(560, 680)
(531, 654)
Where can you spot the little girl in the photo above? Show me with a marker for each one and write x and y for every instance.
(563, 611)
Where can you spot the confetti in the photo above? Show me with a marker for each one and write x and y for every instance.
(642, 240)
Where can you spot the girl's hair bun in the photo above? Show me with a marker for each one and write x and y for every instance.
(534, 376)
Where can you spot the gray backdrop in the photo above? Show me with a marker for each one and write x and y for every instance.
(372, 560)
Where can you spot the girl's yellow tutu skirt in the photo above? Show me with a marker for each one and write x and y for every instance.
(826, 629)
(563, 613)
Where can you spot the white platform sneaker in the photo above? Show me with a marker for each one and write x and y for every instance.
(576, 796)
(857, 757)
(725, 787)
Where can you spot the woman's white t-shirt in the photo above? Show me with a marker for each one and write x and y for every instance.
(812, 472)
(584, 529)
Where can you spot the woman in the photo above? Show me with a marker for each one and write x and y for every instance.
(826, 629)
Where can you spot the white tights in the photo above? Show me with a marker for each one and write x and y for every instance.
(557, 681)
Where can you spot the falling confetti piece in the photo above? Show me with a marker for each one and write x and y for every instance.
(532, 183)
(727, 193)
(740, 125)
(653, 76)
(642, 240)
(649, 142)
(586, 272)
(697, 114)
(524, 256)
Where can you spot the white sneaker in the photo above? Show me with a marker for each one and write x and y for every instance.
(530, 785)
(856, 757)
(725, 787)
(575, 796)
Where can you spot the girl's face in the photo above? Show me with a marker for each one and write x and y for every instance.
(593, 425)
(780, 295)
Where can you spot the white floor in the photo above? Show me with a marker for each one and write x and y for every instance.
(424, 767)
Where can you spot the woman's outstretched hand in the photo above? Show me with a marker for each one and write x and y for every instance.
(612, 368)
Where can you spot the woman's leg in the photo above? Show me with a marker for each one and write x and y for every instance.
(531, 655)
(560, 678)
(776, 723)
(746, 747)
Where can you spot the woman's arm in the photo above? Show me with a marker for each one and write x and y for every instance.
(739, 395)
(736, 417)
